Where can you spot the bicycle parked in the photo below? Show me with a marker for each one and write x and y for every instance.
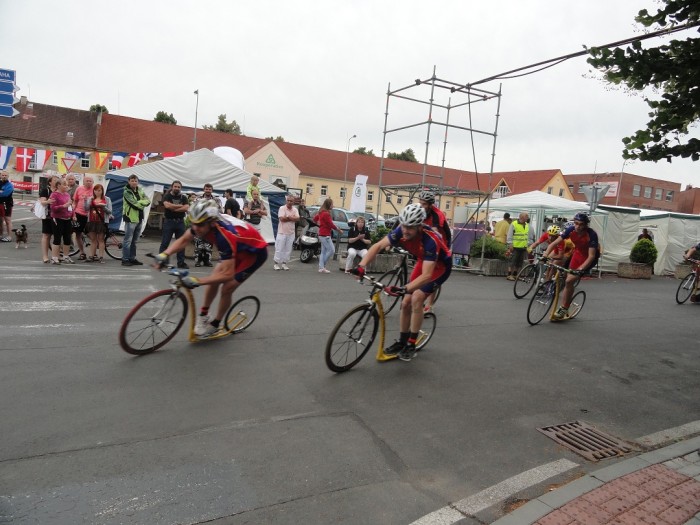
(546, 298)
(398, 276)
(353, 335)
(158, 317)
(690, 284)
(113, 244)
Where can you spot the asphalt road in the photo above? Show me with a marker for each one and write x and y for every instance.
(255, 429)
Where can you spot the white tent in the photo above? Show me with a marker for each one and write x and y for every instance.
(620, 234)
(193, 170)
(673, 234)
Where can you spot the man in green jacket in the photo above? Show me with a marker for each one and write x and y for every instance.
(135, 201)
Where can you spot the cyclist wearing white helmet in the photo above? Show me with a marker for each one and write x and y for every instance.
(242, 251)
(433, 267)
(434, 216)
(586, 251)
(561, 253)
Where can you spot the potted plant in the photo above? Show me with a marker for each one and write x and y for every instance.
(495, 262)
(642, 259)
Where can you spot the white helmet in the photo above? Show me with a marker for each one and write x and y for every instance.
(204, 210)
(412, 215)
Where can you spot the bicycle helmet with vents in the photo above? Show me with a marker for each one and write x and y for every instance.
(203, 211)
(412, 215)
(582, 217)
(427, 196)
(553, 230)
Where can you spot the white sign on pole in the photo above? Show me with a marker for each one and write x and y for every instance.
(359, 194)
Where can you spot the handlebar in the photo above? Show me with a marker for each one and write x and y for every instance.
(692, 261)
(560, 268)
(171, 269)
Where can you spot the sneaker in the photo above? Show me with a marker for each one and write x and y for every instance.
(276, 267)
(323, 270)
(54, 260)
(208, 264)
(209, 330)
(201, 325)
(5, 239)
(561, 313)
(409, 352)
(67, 260)
(285, 267)
(197, 264)
(126, 263)
(135, 262)
(395, 348)
(183, 265)
(511, 277)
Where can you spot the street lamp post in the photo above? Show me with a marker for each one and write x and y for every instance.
(196, 110)
(345, 177)
(619, 184)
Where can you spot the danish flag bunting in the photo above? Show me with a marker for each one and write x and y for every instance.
(23, 158)
(134, 159)
(118, 159)
(42, 155)
(169, 154)
(5, 152)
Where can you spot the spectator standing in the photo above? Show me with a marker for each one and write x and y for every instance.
(72, 184)
(255, 209)
(62, 214)
(500, 231)
(645, 235)
(493, 228)
(99, 210)
(359, 240)
(176, 205)
(135, 201)
(252, 186)
(325, 229)
(288, 217)
(231, 207)
(6, 204)
(520, 236)
(80, 213)
(47, 224)
(202, 247)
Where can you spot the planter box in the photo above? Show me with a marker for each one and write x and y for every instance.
(683, 270)
(383, 263)
(494, 267)
(634, 270)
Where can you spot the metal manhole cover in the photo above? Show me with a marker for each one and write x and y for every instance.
(587, 441)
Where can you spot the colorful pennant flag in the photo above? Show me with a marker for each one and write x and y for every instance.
(23, 158)
(5, 152)
(169, 154)
(100, 158)
(118, 159)
(134, 159)
(42, 155)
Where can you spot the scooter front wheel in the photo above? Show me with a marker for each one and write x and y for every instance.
(306, 255)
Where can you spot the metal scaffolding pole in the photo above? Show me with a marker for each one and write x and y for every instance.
(493, 160)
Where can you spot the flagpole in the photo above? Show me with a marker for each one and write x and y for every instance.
(196, 110)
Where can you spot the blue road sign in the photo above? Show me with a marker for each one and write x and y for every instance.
(8, 111)
(8, 86)
(8, 99)
(8, 75)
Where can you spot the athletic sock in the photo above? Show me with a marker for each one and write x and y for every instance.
(413, 338)
(204, 311)
(403, 337)
(215, 323)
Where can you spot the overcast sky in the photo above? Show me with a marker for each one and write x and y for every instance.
(317, 72)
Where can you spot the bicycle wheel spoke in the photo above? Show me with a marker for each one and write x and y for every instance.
(153, 322)
(351, 338)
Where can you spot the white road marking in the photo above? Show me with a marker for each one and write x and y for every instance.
(52, 306)
(670, 435)
(497, 493)
(69, 276)
(70, 289)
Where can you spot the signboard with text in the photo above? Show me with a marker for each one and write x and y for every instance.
(8, 88)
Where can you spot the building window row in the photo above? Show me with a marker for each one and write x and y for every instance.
(658, 194)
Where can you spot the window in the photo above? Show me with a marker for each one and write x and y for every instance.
(647, 192)
(399, 199)
(571, 188)
(324, 190)
(581, 185)
(110, 167)
(370, 196)
(85, 163)
(342, 193)
(447, 205)
(561, 192)
(549, 190)
(388, 197)
(658, 194)
(54, 158)
(636, 190)
(32, 162)
(669, 195)
(309, 188)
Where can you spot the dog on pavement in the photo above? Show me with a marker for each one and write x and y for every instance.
(21, 236)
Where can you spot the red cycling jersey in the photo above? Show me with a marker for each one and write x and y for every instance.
(437, 220)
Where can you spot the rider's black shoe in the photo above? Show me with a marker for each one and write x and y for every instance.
(408, 352)
(394, 348)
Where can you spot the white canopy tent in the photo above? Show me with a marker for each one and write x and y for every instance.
(193, 170)
(673, 234)
(620, 234)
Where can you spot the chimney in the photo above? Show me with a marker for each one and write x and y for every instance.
(23, 100)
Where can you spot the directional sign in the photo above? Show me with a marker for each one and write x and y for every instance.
(8, 99)
(8, 87)
(594, 193)
(7, 74)
(8, 111)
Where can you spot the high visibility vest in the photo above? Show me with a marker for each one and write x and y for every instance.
(520, 232)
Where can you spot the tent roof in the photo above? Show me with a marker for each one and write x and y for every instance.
(535, 200)
(194, 169)
(658, 214)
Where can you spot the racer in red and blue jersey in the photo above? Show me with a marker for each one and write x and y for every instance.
(242, 251)
(433, 267)
(586, 251)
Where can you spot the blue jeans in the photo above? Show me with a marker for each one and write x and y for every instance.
(132, 230)
(327, 249)
(173, 227)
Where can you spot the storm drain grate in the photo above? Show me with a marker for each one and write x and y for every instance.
(587, 441)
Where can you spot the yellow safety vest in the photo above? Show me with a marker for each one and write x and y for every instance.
(520, 232)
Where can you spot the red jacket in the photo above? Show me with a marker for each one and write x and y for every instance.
(325, 223)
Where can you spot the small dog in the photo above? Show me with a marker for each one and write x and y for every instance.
(21, 236)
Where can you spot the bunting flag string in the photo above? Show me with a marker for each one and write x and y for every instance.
(42, 155)
(5, 152)
(100, 158)
(23, 158)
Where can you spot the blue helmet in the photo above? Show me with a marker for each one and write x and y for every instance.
(582, 217)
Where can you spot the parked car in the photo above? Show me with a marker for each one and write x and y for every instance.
(371, 220)
(341, 217)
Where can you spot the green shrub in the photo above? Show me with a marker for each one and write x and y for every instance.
(493, 249)
(379, 233)
(644, 252)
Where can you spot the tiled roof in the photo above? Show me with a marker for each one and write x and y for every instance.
(45, 124)
(524, 181)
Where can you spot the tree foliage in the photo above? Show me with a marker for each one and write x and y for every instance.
(162, 116)
(279, 138)
(408, 155)
(99, 108)
(224, 126)
(364, 151)
(671, 70)
(644, 252)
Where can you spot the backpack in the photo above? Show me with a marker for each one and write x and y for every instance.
(39, 210)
